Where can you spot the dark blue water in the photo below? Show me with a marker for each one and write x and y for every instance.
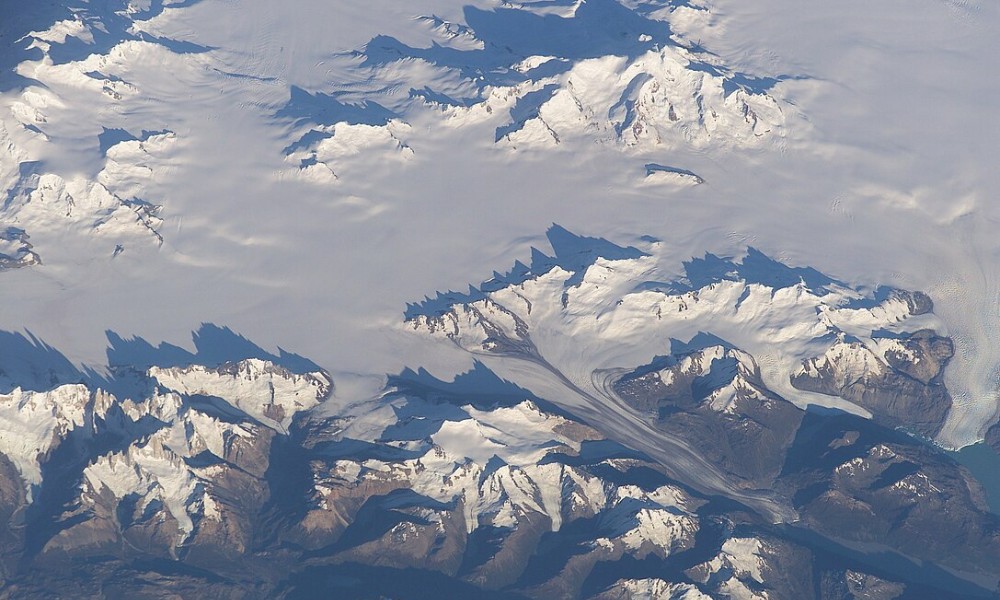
(984, 463)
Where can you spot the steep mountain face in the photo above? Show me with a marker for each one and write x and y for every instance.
(483, 493)
(754, 427)
(587, 318)
(854, 481)
(165, 475)
(715, 399)
(899, 380)
(839, 479)
(512, 496)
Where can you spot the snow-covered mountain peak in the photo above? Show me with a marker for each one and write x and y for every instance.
(190, 462)
(32, 424)
(506, 465)
(266, 392)
(610, 421)
(519, 435)
(602, 72)
(103, 201)
(162, 460)
(176, 465)
(718, 376)
(750, 322)
(652, 589)
(739, 569)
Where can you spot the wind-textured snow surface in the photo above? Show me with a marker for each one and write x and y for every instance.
(298, 171)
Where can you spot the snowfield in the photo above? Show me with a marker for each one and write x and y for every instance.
(301, 171)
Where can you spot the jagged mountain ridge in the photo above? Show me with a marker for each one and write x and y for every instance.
(528, 71)
(511, 495)
(159, 479)
(564, 312)
(597, 71)
(709, 395)
(226, 477)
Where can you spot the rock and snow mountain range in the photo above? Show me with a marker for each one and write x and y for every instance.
(694, 413)
(572, 460)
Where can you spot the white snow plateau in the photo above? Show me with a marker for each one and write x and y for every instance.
(300, 171)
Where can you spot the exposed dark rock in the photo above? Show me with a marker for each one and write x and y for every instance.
(715, 400)
(993, 437)
(181, 495)
(890, 489)
(919, 303)
(902, 389)
(865, 586)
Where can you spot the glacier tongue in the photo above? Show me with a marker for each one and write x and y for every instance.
(480, 481)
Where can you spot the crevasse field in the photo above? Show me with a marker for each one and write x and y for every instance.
(302, 171)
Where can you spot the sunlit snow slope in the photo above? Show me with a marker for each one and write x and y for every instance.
(298, 171)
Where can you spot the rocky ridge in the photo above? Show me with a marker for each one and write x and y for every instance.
(511, 497)
(639, 88)
(704, 471)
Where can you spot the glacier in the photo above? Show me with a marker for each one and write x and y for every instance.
(685, 296)
(357, 158)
